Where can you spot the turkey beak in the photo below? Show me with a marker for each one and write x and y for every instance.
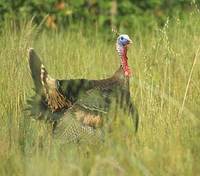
(130, 41)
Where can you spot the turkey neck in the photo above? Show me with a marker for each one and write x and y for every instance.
(122, 51)
(121, 76)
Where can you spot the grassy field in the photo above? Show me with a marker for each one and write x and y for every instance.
(165, 87)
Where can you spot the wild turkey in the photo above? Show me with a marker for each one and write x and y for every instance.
(81, 101)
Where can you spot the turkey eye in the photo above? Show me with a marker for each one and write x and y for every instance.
(122, 38)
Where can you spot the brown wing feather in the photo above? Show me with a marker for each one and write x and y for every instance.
(56, 101)
(89, 119)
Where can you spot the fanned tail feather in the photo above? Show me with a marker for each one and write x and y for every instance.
(36, 105)
(35, 65)
(47, 98)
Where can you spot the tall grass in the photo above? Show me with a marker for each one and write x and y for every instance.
(165, 87)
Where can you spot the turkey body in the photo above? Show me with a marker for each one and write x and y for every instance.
(77, 108)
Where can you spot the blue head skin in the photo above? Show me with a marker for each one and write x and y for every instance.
(123, 40)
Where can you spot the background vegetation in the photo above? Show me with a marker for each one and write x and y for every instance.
(165, 87)
(124, 14)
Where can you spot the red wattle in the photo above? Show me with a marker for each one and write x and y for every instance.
(125, 66)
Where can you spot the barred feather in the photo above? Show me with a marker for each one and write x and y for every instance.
(70, 130)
